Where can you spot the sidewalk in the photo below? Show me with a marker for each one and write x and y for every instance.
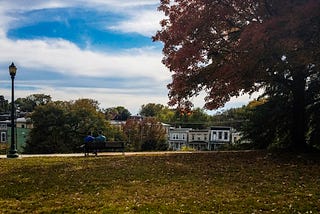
(61, 155)
(99, 154)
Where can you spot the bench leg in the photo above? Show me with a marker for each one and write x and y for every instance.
(86, 150)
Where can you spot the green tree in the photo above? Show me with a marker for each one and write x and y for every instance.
(30, 102)
(199, 115)
(87, 115)
(47, 136)
(4, 104)
(195, 118)
(117, 113)
(159, 111)
(267, 124)
(166, 115)
(60, 127)
(234, 117)
(151, 110)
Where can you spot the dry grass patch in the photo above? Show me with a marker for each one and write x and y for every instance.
(243, 182)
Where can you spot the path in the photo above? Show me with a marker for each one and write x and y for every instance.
(99, 154)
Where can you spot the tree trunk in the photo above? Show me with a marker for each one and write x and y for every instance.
(298, 128)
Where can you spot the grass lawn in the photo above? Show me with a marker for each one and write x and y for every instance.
(224, 182)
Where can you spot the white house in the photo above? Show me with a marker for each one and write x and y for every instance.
(178, 137)
(220, 136)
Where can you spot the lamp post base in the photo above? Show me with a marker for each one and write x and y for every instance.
(12, 154)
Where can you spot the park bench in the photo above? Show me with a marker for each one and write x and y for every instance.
(108, 146)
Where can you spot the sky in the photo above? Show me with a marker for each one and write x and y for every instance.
(97, 49)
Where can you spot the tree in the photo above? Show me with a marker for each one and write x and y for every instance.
(230, 47)
(117, 113)
(60, 127)
(159, 111)
(87, 117)
(145, 135)
(132, 131)
(166, 115)
(151, 110)
(4, 104)
(198, 115)
(234, 117)
(47, 136)
(266, 126)
(30, 102)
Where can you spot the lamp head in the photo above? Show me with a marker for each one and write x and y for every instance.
(12, 70)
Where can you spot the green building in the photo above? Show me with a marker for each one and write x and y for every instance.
(23, 127)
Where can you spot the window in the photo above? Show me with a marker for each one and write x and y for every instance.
(220, 135)
(3, 137)
(214, 136)
(226, 137)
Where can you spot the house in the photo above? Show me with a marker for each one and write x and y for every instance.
(117, 124)
(235, 137)
(23, 127)
(178, 137)
(24, 123)
(220, 136)
(199, 139)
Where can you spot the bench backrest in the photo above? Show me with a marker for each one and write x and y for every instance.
(115, 144)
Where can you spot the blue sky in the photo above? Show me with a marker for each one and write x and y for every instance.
(98, 49)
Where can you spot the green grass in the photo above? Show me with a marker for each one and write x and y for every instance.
(224, 182)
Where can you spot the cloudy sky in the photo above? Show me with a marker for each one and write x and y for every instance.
(98, 49)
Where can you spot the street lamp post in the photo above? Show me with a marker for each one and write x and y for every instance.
(13, 150)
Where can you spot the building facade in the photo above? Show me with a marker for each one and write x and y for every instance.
(178, 138)
(23, 127)
(199, 139)
(220, 136)
(215, 138)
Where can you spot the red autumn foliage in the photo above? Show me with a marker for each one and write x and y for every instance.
(226, 47)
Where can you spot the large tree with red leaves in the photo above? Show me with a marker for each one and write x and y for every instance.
(229, 47)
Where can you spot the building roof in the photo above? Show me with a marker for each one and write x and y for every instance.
(220, 128)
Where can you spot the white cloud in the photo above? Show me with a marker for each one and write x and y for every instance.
(65, 57)
(124, 3)
(142, 15)
(101, 4)
(105, 96)
(140, 19)
(145, 23)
